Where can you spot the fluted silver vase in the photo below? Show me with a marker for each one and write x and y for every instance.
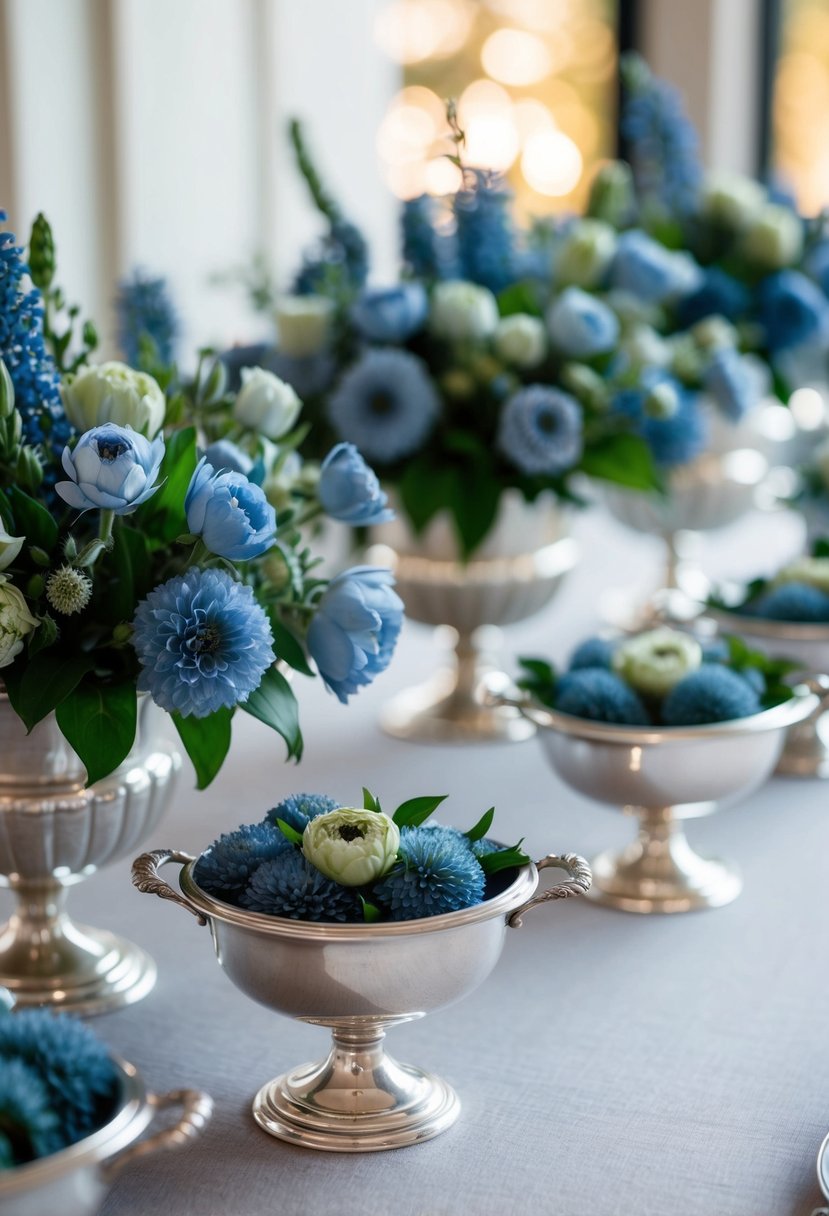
(53, 834)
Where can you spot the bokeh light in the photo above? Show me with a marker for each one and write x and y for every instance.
(551, 163)
(801, 104)
(515, 57)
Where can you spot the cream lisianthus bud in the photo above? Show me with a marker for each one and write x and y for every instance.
(654, 661)
(114, 392)
(521, 340)
(303, 325)
(351, 846)
(265, 403)
(463, 312)
(16, 621)
(10, 546)
(775, 238)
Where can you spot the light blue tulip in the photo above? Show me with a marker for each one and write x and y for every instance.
(349, 490)
(112, 468)
(581, 326)
(230, 514)
(354, 632)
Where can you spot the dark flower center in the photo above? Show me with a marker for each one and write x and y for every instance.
(381, 403)
(111, 449)
(350, 831)
(547, 422)
(206, 641)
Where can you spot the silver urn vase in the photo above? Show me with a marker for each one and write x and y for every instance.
(55, 833)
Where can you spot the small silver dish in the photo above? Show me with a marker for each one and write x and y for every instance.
(358, 979)
(74, 1181)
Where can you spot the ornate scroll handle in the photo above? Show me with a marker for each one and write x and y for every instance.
(197, 1107)
(819, 685)
(146, 878)
(581, 877)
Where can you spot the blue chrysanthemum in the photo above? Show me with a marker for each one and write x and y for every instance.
(663, 143)
(144, 309)
(28, 1125)
(719, 294)
(437, 873)
(593, 652)
(675, 439)
(226, 868)
(298, 809)
(290, 886)
(601, 696)
(794, 602)
(386, 404)
(485, 233)
(710, 694)
(541, 431)
(203, 641)
(483, 848)
(72, 1064)
(427, 252)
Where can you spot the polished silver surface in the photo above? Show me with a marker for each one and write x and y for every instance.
(359, 979)
(662, 776)
(74, 1181)
(823, 1166)
(55, 833)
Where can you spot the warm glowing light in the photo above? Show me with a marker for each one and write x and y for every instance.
(405, 135)
(424, 99)
(406, 181)
(530, 116)
(410, 31)
(442, 177)
(515, 57)
(807, 409)
(491, 142)
(534, 14)
(483, 97)
(551, 163)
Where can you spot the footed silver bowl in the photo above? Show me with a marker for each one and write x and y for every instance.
(359, 979)
(74, 1181)
(664, 775)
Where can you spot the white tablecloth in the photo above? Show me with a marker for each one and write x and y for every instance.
(612, 1065)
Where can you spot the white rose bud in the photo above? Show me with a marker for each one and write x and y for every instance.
(114, 392)
(731, 199)
(10, 546)
(585, 255)
(265, 403)
(714, 333)
(351, 846)
(303, 325)
(774, 238)
(521, 340)
(16, 622)
(463, 312)
(655, 661)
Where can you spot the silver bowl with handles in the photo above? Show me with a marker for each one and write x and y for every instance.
(359, 979)
(74, 1181)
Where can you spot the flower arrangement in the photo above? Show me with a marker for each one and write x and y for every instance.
(57, 1084)
(152, 538)
(313, 859)
(798, 592)
(662, 677)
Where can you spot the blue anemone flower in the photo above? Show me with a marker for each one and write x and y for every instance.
(298, 809)
(386, 404)
(289, 885)
(593, 652)
(709, 694)
(541, 431)
(226, 868)
(29, 1126)
(601, 696)
(794, 602)
(436, 873)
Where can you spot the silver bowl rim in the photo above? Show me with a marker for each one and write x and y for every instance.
(518, 891)
(133, 1114)
(763, 627)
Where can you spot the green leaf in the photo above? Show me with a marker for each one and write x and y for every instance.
(623, 459)
(45, 635)
(288, 646)
(539, 668)
(274, 703)
(476, 493)
(482, 826)
(33, 520)
(206, 741)
(424, 491)
(98, 720)
(520, 297)
(370, 803)
(162, 516)
(371, 912)
(416, 810)
(48, 679)
(288, 832)
(130, 564)
(504, 859)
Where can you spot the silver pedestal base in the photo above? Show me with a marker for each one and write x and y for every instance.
(805, 753)
(358, 1100)
(444, 711)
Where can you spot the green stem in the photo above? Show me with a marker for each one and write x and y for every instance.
(105, 526)
(198, 553)
(306, 517)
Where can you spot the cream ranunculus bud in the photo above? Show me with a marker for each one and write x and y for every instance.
(16, 621)
(654, 661)
(10, 546)
(114, 392)
(265, 403)
(714, 333)
(521, 340)
(351, 846)
(732, 200)
(585, 255)
(463, 312)
(6, 392)
(775, 238)
(814, 571)
(303, 325)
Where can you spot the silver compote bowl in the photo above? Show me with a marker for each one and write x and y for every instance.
(664, 775)
(74, 1181)
(359, 979)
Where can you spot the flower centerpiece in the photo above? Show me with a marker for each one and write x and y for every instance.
(152, 542)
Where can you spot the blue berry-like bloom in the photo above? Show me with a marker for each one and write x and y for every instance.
(354, 632)
(426, 252)
(231, 514)
(23, 350)
(485, 846)
(72, 1064)
(203, 642)
(485, 233)
(715, 651)
(349, 490)
(675, 439)
(709, 694)
(793, 309)
(437, 873)
(390, 314)
(601, 696)
(28, 1124)
(290, 886)
(299, 809)
(593, 652)
(144, 309)
(581, 326)
(226, 868)
(111, 468)
(794, 602)
(541, 431)
(386, 404)
(754, 678)
(646, 269)
(663, 143)
(719, 294)
(732, 383)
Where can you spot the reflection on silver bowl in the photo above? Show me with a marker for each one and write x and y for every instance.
(359, 979)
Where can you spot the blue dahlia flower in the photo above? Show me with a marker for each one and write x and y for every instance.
(794, 602)
(231, 514)
(298, 809)
(426, 252)
(601, 696)
(437, 873)
(663, 143)
(390, 314)
(593, 652)
(144, 309)
(112, 468)
(709, 694)
(290, 886)
(23, 350)
(646, 269)
(732, 383)
(540, 431)
(349, 490)
(580, 325)
(72, 1064)
(29, 1126)
(355, 629)
(673, 439)
(226, 868)
(793, 309)
(203, 641)
(386, 404)
(227, 457)
(719, 294)
(485, 233)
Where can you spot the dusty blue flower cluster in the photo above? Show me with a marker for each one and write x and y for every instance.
(144, 309)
